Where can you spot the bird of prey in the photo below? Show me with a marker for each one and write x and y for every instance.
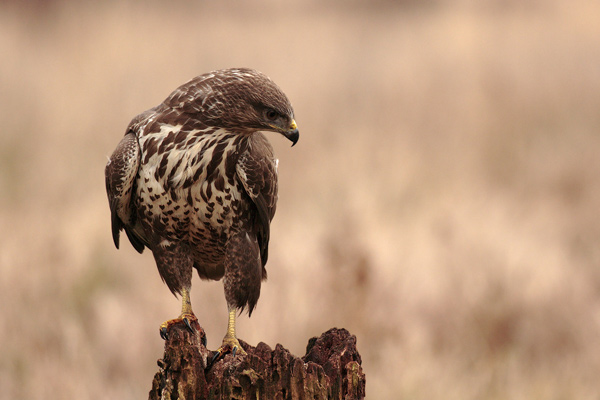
(195, 181)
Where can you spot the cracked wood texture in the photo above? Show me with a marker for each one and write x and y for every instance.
(331, 369)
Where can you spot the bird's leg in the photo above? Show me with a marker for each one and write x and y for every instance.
(187, 316)
(230, 339)
(186, 304)
(230, 343)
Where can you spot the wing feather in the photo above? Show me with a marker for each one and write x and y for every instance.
(257, 171)
(120, 173)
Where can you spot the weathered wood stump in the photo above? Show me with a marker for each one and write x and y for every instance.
(331, 369)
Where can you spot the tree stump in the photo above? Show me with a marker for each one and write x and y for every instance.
(331, 369)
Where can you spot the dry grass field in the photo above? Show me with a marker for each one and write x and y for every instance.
(443, 202)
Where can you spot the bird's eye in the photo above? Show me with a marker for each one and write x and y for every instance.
(271, 115)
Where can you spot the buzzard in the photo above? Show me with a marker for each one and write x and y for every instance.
(195, 181)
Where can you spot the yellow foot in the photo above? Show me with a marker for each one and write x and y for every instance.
(188, 320)
(230, 345)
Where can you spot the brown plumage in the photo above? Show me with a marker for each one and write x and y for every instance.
(195, 181)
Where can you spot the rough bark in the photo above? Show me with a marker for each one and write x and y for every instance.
(331, 369)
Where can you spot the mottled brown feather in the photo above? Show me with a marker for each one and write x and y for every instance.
(257, 171)
(195, 181)
(121, 172)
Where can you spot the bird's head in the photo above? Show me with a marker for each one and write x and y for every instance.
(238, 99)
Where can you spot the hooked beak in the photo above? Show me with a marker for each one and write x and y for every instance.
(292, 133)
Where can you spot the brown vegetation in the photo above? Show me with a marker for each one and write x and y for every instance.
(442, 203)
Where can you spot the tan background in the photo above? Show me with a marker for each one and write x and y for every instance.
(443, 202)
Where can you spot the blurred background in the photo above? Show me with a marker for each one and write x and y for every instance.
(442, 204)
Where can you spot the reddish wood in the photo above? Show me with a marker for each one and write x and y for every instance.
(331, 369)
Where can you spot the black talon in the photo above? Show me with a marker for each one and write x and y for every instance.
(234, 350)
(215, 357)
(163, 333)
(187, 324)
